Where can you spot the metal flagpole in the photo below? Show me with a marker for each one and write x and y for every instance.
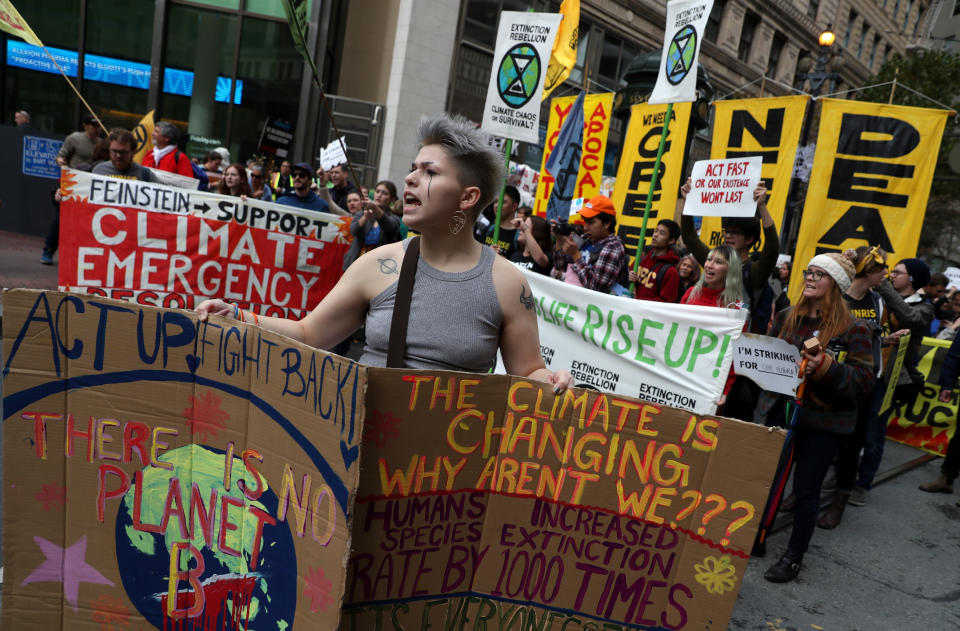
(653, 185)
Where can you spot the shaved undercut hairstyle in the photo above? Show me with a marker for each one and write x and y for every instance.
(477, 163)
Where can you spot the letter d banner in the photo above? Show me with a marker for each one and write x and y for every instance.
(870, 180)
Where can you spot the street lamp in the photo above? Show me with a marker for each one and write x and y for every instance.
(826, 65)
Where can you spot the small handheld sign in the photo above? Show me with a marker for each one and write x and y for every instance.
(724, 188)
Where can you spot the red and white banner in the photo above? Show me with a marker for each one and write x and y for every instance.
(168, 247)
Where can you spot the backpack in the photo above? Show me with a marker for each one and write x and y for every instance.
(198, 172)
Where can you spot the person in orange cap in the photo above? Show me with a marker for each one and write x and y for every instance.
(602, 263)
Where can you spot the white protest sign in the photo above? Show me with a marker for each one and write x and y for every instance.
(786, 258)
(677, 80)
(953, 275)
(332, 154)
(524, 43)
(670, 354)
(724, 188)
(769, 362)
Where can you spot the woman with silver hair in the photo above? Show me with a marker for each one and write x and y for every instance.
(466, 302)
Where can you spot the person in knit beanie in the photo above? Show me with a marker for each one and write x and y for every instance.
(837, 376)
(839, 267)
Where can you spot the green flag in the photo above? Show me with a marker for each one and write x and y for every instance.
(296, 11)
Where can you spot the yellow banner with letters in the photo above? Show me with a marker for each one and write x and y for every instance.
(769, 128)
(636, 168)
(870, 180)
(597, 110)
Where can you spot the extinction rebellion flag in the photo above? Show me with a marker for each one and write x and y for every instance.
(524, 42)
(677, 80)
(870, 180)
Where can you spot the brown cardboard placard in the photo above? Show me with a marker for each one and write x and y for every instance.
(489, 502)
(165, 473)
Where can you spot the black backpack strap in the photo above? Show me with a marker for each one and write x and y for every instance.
(401, 305)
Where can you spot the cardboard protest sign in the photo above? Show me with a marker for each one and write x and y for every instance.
(770, 362)
(929, 423)
(333, 155)
(870, 180)
(953, 275)
(490, 502)
(165, 473)
(683, 34)
(670, 354)
(173, 248)
(723, 188)
(524, 42)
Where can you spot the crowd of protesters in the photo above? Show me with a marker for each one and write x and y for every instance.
(851, 315)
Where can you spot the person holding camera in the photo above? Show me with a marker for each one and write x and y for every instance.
(838, 370)
(602, 263)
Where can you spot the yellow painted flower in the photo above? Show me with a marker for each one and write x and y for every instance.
(717, 575)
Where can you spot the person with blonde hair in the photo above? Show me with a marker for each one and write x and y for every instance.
(838, 373)
(465, 303)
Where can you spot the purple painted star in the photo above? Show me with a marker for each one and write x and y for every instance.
(66, 566)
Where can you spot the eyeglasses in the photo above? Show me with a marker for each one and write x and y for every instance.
(815, 274)
(258, 176)
(896, 272)
(121, 152)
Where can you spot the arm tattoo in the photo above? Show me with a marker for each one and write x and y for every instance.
(526, 300)
(388, 266)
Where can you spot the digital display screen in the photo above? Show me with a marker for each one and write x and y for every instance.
(132, 74)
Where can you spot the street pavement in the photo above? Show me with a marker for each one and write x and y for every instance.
(893, 564)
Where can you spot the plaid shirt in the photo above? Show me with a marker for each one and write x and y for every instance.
(606, 261)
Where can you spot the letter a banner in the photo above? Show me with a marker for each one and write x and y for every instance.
(636, 168)
(769, 128)
(677, 80)
(870, 179)
(524, 42)
(596, 114)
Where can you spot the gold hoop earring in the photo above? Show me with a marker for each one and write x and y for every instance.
(457, 222)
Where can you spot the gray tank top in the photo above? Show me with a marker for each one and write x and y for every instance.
(455, 319)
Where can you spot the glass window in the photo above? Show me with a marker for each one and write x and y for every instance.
(812, 9)
(850, 24)
(583, 44)
(863, 40)
(200, 48)
(896, 9)
(609, 57)
(480, 22)
(712, 30)
(750, 22)
(776, 49)
(266, 7)
(873, 50)
(31, 82)
(270, 69)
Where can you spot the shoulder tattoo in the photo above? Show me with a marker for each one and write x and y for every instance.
(526, 299)
(388, 266)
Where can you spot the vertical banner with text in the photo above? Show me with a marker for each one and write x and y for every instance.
(769, 128)
(636, 168)
(597, 110)
(870, 180)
